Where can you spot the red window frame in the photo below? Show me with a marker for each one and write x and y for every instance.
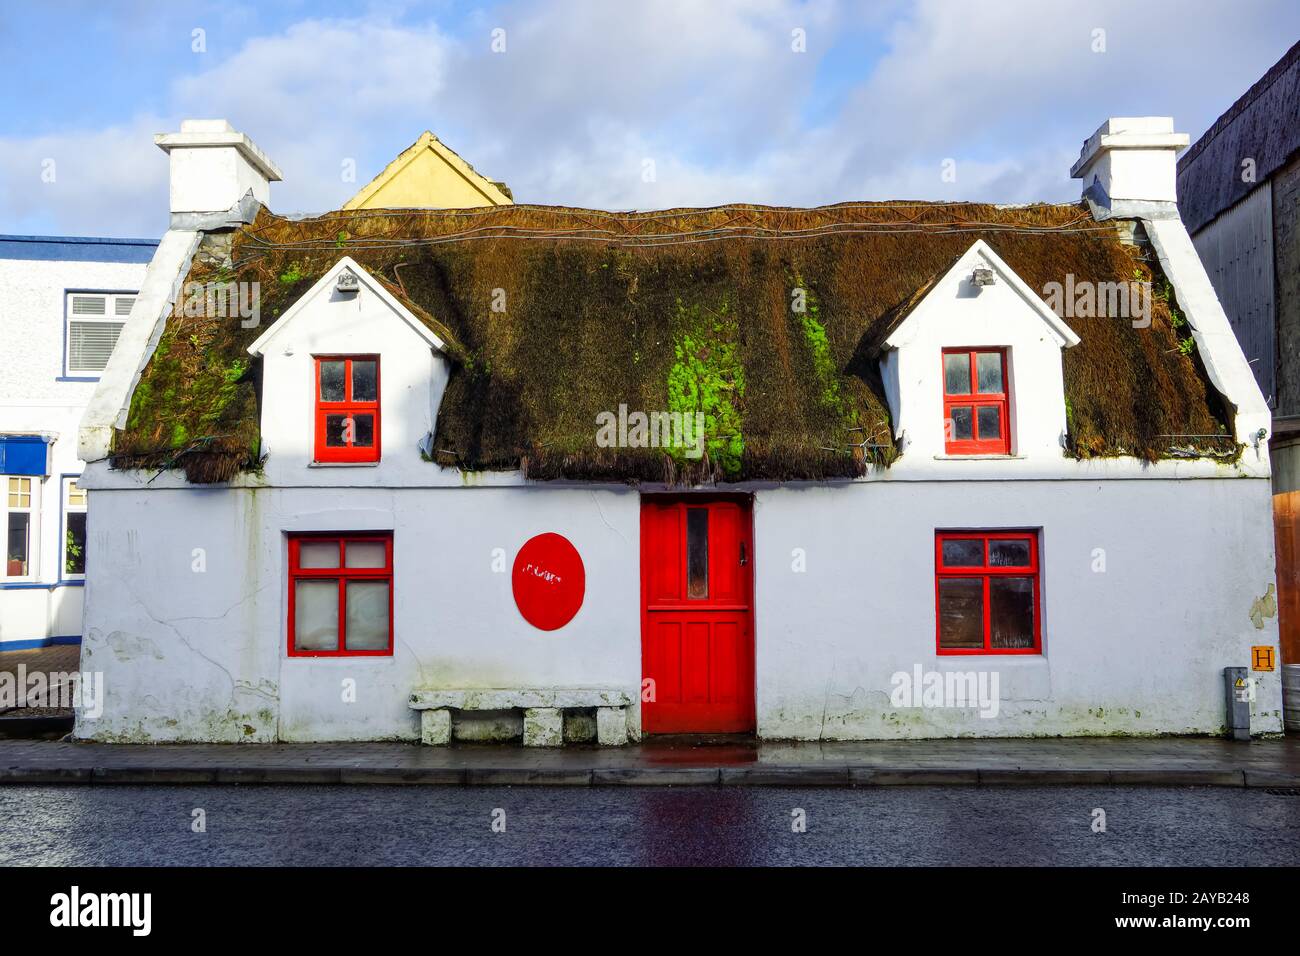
(987, 572)
(975, 400)
(343, 575)
(347, 407)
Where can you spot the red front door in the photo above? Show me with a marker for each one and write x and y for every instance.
(697, 625)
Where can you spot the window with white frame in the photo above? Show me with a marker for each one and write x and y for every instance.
(20, 537)
(94, 321)
(74, 530)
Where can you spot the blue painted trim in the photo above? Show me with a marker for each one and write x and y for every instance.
(63, 366)
(33, 643)
(78, 249)
(63, 531)
(20, 454)
(38, 585)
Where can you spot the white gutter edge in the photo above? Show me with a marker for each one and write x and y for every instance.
(1225, 363)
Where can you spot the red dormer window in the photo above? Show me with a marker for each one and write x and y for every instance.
(347, 408)
(975, 420)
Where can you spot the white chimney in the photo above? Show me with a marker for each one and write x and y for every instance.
(213, 166)
(1131, 159)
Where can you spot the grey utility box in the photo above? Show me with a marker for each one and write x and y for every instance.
(1236, 687)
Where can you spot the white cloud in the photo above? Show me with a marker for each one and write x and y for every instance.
(713, 94)
(320, 93)
(104, 182)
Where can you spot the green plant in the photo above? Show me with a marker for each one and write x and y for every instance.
(72, 561)
(1164, 291)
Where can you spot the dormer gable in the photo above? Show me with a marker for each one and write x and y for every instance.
(960, 281)
(352, 375)
(347, 296)
(972, 365)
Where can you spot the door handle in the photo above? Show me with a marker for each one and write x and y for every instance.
(743, 561)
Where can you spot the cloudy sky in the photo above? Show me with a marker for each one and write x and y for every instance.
(771, 101)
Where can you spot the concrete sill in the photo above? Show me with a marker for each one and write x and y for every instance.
(343, 464)
(980, 457)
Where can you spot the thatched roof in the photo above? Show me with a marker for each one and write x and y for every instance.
(686, 309)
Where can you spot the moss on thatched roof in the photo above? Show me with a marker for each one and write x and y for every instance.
(680, 310)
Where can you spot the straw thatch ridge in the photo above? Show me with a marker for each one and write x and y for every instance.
(557, 315)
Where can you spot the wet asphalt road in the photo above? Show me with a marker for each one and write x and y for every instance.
(324, 826)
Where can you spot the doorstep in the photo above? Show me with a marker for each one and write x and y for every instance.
(1174, 761)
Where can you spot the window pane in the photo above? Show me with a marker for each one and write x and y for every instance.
(363, 431)
(961, 428)
(316, 615)
(334, 431)
(697, 552)
(76, 496)
(88, 304)
(988, 371)
(1011, 612)
(956, 374)
(990, 419)
(367, 610)
(90, 344)
(74, 547)
(963, 553)
(318, 554)
(331, 381)
(20, 492)
(1011, 553)
(16, 545)
(365, 381)
(366, 554)
(961, 612)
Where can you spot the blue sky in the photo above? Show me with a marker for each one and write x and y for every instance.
(712, 93)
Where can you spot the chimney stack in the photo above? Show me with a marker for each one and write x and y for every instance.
(1131, 163)
(213, 166)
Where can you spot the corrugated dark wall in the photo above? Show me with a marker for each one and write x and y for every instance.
(1286, 259)
(1237, 251)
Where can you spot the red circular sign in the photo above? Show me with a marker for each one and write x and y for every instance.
(549, 581)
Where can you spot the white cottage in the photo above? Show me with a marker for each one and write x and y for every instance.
(865, 471)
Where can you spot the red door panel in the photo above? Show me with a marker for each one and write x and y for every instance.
(697, 621)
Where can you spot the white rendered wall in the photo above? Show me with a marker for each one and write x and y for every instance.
(33, 399)
(203, 656)
(1138, 648)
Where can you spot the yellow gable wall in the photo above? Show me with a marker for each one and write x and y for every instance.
(428, 174)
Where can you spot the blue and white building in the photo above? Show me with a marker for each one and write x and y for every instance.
(63, 302)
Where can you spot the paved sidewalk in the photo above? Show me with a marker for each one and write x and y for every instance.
(55, 659)
(1170, 761)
